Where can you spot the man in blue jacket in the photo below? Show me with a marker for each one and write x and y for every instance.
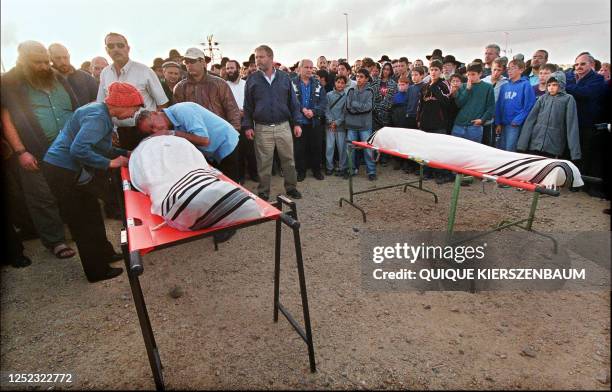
(588, 89)
(516, 99)
(313, 102)
(271, 109)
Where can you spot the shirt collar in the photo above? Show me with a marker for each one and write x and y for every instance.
(171, 117)
(125, 68)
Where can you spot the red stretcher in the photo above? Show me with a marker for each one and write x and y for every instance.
(525, 223)
(138, 239)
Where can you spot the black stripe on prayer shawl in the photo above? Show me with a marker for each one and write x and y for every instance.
(520, 164)
(178, 183)
(186, 202)
(220, 211)
(187, 183)
(517, 173)
(542, 174)
(217, 204)
(230, 211)
(197, 180)
(522, 161)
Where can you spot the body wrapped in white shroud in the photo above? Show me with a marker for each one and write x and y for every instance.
(184, 189)
(466, 154)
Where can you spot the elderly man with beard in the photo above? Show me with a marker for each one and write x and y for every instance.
(246, 148)
(36, 102)
(83, 84)
(206, 90)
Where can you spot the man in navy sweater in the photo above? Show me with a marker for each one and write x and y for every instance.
(270, 109)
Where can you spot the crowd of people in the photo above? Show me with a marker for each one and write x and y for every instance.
(64, 129)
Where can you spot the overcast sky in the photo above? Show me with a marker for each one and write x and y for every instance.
(307, 29)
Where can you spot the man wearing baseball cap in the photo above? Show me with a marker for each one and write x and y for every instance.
(81, 152)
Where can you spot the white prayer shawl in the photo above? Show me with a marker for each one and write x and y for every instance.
(184, 189)
(466, 154)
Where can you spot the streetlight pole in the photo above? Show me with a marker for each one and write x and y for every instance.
(347, 42)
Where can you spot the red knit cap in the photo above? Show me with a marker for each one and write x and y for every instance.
(123, 95)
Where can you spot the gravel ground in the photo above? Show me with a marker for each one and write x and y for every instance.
(219, 333)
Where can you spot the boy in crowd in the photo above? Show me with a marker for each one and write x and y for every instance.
(476, 104)
(543, 74)
(398, 114)
(516, 98)
(358, 118)
(432, 114)
(552, 124)
(336, 133)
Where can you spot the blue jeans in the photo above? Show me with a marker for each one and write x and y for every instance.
(362, 136)
(470, 132)
(508, 138)
(335, 139)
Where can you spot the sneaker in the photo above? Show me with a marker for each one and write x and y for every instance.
(329, 172)
(301, 177)
(294, 193)
(339, 173)
(372, 177)
(319, 176)
(263, 196)
(345, 175)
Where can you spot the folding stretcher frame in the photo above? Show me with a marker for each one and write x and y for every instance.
(460, 172)
(137, 239)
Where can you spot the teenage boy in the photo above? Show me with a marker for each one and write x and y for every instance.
(476, 104)
(543, 74)
(552, 124)
(432, 115)
(516, 98)
(358, 118)
(336, 132)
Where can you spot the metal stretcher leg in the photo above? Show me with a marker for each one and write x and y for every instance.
(349, 150)
(352, 193)
(290, 219)
(143, 318)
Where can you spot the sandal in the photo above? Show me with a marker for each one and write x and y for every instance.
(63, 251)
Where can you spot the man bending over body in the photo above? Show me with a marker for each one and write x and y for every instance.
(212, 135)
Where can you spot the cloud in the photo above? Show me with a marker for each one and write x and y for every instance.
(308, 29)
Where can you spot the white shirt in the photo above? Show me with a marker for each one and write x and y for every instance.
(271, 78)
(238, 91)
(141, 77)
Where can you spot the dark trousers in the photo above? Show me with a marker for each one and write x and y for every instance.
(592, 143)
(80, 207)
(488, 135)
(229, 165)
(246, 158)
(308, 149)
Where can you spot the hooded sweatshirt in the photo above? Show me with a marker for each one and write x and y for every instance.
(552, 124)
(515, 101)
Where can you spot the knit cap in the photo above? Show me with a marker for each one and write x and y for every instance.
(123, 95)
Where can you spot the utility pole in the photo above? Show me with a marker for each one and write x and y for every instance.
(347, 39)
(212, 46)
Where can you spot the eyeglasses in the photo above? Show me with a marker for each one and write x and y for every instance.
(580, 64)
(119, 45)
(190, 61)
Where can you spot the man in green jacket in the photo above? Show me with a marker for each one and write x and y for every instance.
(476, 103)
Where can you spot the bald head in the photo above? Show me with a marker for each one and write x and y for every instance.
(60, 58)
(34, 59)
(29, 50)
